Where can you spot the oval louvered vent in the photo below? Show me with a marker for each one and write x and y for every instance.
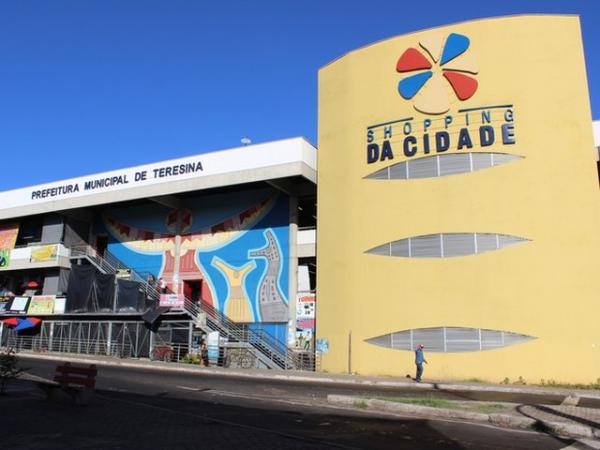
(449, 339)
(445, 245)
(442, 165)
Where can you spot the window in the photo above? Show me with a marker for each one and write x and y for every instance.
(449, 339)
(444, 245)
(442, 165)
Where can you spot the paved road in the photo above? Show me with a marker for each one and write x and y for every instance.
(137, 408)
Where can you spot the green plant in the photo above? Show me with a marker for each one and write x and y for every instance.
(475, 380)
(430, 401)
(520, 381)
(190, 359)
(489, 408)
(360, 404)
(8, 369)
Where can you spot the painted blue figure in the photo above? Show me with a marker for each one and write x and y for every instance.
(419, 360)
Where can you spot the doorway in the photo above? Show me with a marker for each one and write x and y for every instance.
(101, 244)
(192, 289)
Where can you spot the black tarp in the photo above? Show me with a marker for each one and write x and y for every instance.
(79, 294)
(105, 291)
(129, 297)
(153, 314)
(89, 290)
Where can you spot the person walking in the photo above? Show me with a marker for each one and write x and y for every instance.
(419, 360)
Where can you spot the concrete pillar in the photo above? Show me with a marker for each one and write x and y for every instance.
(176, 287)
(293, 268)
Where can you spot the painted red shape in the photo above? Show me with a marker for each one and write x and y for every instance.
(412, 59)
(464, 86)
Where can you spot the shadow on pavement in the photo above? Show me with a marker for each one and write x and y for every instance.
(132, 421)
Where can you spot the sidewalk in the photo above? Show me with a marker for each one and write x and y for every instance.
(566, 419)
(316, 377)
(558, 420)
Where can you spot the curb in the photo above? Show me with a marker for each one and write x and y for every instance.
(500, 420)
(316, 377)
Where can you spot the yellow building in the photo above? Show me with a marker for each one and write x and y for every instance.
(458, 205)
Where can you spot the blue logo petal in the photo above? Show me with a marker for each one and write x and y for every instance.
(456, 44)
(408, 87)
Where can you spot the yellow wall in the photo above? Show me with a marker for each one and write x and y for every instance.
(547, 288)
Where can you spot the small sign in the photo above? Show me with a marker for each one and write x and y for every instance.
(19, 305)
(212, 341)
(59, 305)
(172, 300)
(323, 345)
(44, 253)
(41, 304)
(123, 274)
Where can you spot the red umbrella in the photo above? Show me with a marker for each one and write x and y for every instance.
(12, 322)
(33, 284)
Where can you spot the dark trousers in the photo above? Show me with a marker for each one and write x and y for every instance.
(419, 371)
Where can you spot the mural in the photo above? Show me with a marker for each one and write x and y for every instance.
(233, 245)
(271, 301)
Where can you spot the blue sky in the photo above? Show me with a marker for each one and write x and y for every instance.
(88, 86)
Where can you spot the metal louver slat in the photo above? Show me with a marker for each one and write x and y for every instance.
(458, 244)
(431, 338)
(486, 242)
(380, 174)
(423, 168)
(455, 163)
(400, 248)
(426, 246)
(398, 171)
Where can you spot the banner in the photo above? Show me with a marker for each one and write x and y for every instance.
(8, 235)
(19, 305)
(124, 274)
(59, 305)
(4, 259)
(305, 311)
(41, 304)
(212, 341)
(172, 300)
(43, 253)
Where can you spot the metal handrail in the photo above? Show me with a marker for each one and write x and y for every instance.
(44, 344)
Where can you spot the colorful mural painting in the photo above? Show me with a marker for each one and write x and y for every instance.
(234, 247)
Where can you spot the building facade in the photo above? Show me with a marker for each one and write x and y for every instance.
(458, 204)
(167, 252)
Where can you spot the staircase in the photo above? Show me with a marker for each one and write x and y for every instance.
(267, 349)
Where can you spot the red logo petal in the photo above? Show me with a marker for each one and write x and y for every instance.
(412, 59)
(464, 86)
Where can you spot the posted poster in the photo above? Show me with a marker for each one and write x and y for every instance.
(8, 235)
(59, 305)
(172, 300)
(43, 253)
(212, 341)
(4, 259)
(19, 305)
(305, 320)
(41, 304)
(323, 345)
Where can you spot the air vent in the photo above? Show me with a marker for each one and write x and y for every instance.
(449, 339)
(445, 245)
(442, 165)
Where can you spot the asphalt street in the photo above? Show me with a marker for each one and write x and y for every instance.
(141, 408)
